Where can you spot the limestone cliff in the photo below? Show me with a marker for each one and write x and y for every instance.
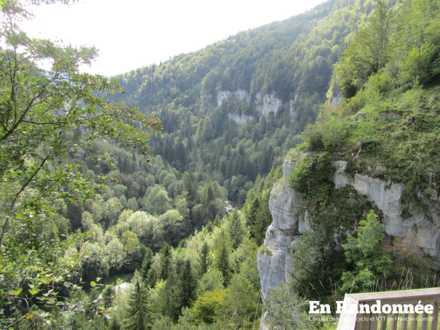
(288, 221)
(261, 105)
(418, 233)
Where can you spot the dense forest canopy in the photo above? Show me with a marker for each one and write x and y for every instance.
(140, 202)
(234, 108)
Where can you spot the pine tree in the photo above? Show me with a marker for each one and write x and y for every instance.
(146, 265)
(263, 217)
(236, 230)
(137, 313)
(172, 293)
(187, 285)
(204, 258)
(251, 216)
(223, 262)
(165, 260)
(209, 201)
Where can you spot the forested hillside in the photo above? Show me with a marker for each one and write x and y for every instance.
(234, 108)
(367, 172)
(141, 202)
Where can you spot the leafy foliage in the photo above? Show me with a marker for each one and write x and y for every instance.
(367, 254)
(288, 311)
(367, 53)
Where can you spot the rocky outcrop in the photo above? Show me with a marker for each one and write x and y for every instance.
(418, 233)
(334, 96)
(268, 103)
(289, 220)
(239, 95)
(262, 104)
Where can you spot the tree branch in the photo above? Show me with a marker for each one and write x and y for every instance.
(44, 123)
(17, 195)
(23, 115)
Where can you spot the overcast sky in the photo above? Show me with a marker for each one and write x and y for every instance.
(133, 33)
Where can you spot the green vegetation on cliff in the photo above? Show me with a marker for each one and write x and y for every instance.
(385, 125)
(388, 123)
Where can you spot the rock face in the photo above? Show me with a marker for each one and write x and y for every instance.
(266, 104)
(240, 95)
(418, 233)
(289, 219)
(263, 104)
(240, 119)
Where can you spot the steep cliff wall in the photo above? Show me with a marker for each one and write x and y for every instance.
(273, 260)
(288, 222)
(261, 105)
(418, 233)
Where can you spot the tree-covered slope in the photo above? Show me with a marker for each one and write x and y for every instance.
(234, 108)
(229, 114)
(387, 122)
(368, 168)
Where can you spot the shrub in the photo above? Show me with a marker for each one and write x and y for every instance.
(366, 253)
(312, 175)
(208, 306)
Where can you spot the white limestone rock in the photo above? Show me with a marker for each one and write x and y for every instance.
(268, 103)
(418, 234)
(288, 214)
(264, 104)
(240, 95)
(421, 229)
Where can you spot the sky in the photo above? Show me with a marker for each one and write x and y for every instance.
(134, 33)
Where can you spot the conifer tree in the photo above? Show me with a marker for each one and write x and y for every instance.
(236, 230)
(251, 216)
(258, 217)
(264, 218)
(138, 317)
(187, 285)
(204, 258)
(146, 264)
(165, 260)
(172, 293)
(223, 262)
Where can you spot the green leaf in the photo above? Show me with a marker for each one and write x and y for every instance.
(34, 291)
(16, 292)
